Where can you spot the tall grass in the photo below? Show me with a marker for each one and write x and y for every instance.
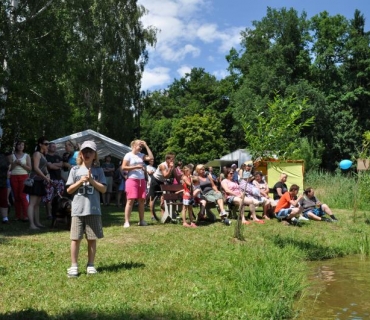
(338, 190)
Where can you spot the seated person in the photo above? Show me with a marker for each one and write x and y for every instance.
(280, 187)
(313, 209)
(234, 195)
(288, 207)
(264, 192)
(210, 191)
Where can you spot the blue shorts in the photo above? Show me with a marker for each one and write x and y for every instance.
(317, 212)
(283, 213)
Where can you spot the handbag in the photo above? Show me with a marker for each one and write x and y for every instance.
(28, 182)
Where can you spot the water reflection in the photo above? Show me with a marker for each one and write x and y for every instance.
(340, 290)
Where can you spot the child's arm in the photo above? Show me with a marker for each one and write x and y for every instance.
(187, 181)
(74, 187)
(96, 184)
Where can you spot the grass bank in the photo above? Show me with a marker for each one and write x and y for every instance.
(172, 272)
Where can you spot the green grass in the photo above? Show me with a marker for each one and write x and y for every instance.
(168, 271)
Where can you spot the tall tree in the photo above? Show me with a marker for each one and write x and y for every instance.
(197, 93)
(80, 63)
(274, 57)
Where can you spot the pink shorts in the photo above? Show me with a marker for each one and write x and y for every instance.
(135, 189)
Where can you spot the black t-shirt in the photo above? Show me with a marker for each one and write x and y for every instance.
(54, 173)
(283, 188)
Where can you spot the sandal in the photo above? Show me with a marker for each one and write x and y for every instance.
(259, 221)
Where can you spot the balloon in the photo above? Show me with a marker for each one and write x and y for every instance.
(345, 164)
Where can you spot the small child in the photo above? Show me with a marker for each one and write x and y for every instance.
(85, 182)
(187, 198)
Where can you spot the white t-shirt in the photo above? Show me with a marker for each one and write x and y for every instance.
(133, 160)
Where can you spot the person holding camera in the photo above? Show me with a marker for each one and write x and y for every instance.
(133, 163)
(187, 198)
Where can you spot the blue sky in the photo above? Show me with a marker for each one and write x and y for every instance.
(200, 33)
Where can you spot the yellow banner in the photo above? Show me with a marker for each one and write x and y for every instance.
(293, 170)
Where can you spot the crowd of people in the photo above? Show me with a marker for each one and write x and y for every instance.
(33, 179)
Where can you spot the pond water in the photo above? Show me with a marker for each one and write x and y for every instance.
(340, 290)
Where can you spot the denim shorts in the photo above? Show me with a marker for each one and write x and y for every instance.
(317, 212)
(283, 213)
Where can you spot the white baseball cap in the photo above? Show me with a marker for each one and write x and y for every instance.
(89, 144)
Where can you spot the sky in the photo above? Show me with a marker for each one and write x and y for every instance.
(200, 33)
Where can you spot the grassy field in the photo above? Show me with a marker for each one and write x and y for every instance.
(170, 272)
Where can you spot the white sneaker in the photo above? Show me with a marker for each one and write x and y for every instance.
(223, 214)
(72, 272)
(302, 218)
(91, 270)
(126, 225)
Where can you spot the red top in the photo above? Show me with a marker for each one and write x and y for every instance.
(187, 188)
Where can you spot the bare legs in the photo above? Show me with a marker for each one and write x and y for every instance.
(91, 251)
(33, 212)
(141, 209)
(189, 209)
(128, 209)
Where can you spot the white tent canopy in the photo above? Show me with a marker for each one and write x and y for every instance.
(106, 146)
(238, 156)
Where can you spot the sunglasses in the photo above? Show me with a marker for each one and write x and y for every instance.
(46, 143)
(231, 172)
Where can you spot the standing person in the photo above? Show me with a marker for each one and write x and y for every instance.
(120, 180)
(150, 169)
(235, 176)
(178, 172)
(223, 175)
(55, 164)
(187, 198)
(4, 168)
(20, 166)
(69, 157)
(108, 168)
(85, 182)
(164, 172)
(40, 176)
(133, 163)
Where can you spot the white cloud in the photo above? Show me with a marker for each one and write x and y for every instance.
(220, 74)
(178, 54)
(230, 38)
(186, 35)
(183, 70)
(155, 77)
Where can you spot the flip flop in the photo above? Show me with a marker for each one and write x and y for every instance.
(259, 221)
(246, 222)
